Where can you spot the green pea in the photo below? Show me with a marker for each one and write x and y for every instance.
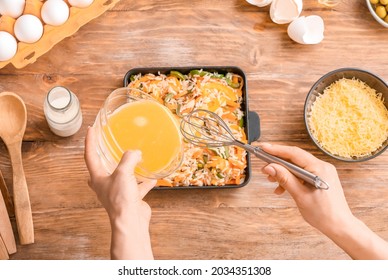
(381, 11)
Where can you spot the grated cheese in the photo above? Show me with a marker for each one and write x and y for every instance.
(349, 119)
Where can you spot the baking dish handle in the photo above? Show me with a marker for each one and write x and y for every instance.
(253, 126)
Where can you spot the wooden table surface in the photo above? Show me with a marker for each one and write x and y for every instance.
(244, 223)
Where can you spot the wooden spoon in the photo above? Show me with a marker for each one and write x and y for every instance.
(13, 121)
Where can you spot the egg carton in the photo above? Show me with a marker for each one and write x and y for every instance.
(29, 53)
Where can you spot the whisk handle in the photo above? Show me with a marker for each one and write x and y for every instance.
(294, 169)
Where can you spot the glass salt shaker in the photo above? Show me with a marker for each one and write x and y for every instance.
(62, 111)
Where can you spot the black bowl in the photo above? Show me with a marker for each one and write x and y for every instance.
(367, 77)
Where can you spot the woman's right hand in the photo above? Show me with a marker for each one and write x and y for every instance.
(320, 208)
(326, 210)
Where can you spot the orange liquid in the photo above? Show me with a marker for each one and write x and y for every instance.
(147, 126)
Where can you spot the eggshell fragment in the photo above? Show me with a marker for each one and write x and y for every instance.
(285, 11)
(12, 8)
(28, 29)
(55, 12)
(307, 30)
(81, 3)
(8, 46)
(258, 3)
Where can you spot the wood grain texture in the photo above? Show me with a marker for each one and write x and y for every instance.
(245, 223)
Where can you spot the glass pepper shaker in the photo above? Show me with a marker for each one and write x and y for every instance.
(62, 111)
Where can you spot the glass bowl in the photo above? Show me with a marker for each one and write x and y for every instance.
(317, 89)
(132, 120)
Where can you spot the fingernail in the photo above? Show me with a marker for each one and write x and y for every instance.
(264, 144)
(137, 153)
(279, 191)
(269, 170)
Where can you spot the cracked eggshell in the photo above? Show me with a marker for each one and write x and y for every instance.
(259, 3)
(307, 30)
(285, 11)
(12, 8)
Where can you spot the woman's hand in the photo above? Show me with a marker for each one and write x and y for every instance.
(320, 208)
(326, 210)
(122, 197)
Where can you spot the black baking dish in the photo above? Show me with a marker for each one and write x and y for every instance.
(251, 119)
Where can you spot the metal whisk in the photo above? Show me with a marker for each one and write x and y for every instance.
(206, 129)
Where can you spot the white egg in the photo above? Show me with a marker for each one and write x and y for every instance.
(285, 11)
(260, 3)
(8, 46)
(12, 8)
(55, 12)
(28, 29)
(81, 3)
(307, 30)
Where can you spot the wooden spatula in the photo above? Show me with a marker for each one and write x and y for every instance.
(6, 196)
(3, 251)
(6, 233)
